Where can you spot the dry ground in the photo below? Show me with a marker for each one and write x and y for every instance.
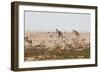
(48, 46)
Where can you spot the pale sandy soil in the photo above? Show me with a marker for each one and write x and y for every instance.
(51, 39)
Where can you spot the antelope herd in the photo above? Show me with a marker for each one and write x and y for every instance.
(58, 40)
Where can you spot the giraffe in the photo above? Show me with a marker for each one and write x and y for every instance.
(60, 35)
(76, 33)
(76, 39)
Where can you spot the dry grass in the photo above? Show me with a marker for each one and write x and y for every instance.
(48, 46)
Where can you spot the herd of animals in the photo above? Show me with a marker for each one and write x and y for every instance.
(59, 33)
(61, 42)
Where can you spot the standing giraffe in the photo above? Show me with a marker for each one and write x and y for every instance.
(76, 39)
(76, 33)
(60, 35)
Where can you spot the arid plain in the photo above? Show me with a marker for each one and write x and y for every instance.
(51, 46)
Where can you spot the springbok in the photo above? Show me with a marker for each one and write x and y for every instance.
(29, 41)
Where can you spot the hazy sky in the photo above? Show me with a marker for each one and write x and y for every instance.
(50, 21)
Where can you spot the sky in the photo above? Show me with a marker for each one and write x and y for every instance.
(36, 21)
